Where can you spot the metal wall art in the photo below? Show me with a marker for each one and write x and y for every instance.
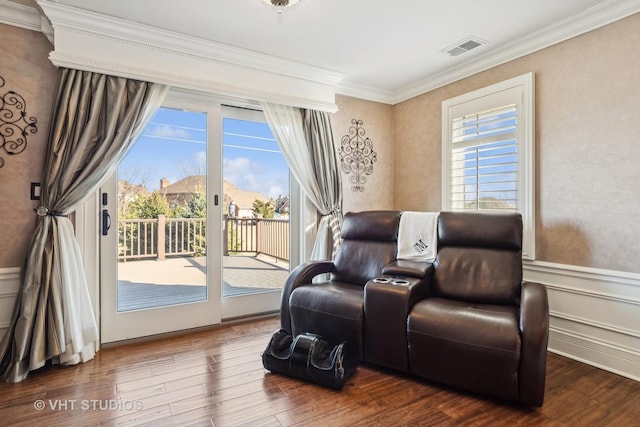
(357, 156)
(14, 124)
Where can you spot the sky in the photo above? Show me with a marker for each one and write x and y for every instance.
(173, 146)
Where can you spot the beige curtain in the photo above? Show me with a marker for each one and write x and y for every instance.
(95, 120)
(305, 138)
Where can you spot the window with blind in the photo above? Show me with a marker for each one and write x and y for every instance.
(488, 152)
(484, 160)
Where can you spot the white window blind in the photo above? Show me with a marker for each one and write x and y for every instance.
(484, 160)
(487, 152)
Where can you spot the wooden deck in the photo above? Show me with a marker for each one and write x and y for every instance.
(150, 283)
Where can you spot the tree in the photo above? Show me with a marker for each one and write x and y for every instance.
(262, 209)
(489, 203)
(132, 183)
(148, 206)
(144, 206)
(196, 207)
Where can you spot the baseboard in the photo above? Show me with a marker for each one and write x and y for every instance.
(9, 287)
(593, 315)
(605, 356)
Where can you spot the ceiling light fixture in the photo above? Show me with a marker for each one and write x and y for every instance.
(280, 5)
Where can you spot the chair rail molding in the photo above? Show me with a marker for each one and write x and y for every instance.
(593, 314)
(9, 287)
(95, 42)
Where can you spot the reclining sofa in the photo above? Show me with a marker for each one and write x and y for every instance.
(466, 319)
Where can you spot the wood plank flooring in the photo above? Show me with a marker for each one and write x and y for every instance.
(215, 377)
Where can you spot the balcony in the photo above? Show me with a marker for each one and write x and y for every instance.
(255, 259)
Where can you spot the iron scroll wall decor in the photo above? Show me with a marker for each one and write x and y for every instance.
(14, 124)
(357, 156)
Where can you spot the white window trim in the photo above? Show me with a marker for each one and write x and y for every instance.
(476, 100)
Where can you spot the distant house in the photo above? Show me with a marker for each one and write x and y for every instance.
(243, 200)
(181, 192)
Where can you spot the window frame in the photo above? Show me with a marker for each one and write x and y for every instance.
(520, 91)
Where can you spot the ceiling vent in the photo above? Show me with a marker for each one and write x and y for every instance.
(463, 46)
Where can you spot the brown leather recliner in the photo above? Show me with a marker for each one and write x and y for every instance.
(468, 320)
(482, 328)
(334, 309)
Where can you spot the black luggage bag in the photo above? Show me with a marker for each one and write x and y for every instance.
(309, 357)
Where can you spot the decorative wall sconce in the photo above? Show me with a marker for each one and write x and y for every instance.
(14, 124)
(357, 156)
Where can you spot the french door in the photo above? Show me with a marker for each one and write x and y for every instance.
(257, 242)
(197, 225)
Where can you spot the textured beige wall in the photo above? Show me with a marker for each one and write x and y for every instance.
(587, 146)
(27, 71)
(377, 121)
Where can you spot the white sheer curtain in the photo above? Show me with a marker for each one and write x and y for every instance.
(306, 141)
(79, 322)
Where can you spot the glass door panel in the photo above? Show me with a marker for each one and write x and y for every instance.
(154, 258)
(256, 213)
(162, 214)
(203, 222)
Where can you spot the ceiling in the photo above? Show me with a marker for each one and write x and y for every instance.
(385, 50)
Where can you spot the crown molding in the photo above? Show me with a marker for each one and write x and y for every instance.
(72, 20)
(95, 42)
(77, 20)
(19, 15)
(369, 93)
(590, 19)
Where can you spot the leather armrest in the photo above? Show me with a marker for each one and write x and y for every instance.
(386, 307)
(534, 327)
(404, 268)
(301, 275)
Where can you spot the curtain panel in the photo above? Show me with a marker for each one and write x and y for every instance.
(95, 120)
(305, 138)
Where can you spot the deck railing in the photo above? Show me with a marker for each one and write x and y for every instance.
(162, 237)
(259, 236)
(137, 239)
(273, 238)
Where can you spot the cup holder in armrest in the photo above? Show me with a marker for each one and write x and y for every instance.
(392, 281)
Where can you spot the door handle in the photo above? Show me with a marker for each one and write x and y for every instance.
(106, 222)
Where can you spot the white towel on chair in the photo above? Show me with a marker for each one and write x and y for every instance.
(417, 236)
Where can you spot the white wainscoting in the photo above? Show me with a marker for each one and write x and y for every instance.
(9, 285)
(594, 315)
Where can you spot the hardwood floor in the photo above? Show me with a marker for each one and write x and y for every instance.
(215, 377)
